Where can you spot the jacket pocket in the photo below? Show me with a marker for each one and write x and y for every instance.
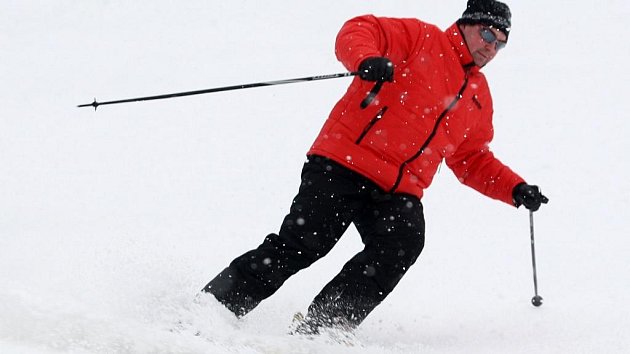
(369, 126)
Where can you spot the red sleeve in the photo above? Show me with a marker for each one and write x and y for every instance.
(476, 166)
(368, 36)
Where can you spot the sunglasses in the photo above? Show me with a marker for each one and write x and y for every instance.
(489, 37)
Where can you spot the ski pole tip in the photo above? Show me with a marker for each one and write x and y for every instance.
(94, 104)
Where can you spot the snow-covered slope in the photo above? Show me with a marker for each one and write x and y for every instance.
(110, 222)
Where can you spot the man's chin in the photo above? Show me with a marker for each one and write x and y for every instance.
(481, 61)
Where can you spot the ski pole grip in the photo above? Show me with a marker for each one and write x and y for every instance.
(370, 97)
(543, 199)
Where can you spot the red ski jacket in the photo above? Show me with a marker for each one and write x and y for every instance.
(438, 107)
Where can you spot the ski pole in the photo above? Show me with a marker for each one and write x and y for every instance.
(372, 95)
(95, 104)
(537, 299)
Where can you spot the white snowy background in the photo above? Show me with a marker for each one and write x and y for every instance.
(111, 221)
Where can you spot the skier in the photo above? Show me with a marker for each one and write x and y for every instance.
(370, 163)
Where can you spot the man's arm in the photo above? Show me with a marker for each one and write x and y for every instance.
(476, 166)
(369, 36)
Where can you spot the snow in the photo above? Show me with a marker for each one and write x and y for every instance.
(111, 221)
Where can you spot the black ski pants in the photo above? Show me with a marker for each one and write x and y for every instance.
(330, 198)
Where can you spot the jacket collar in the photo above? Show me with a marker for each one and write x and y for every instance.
(461, 49)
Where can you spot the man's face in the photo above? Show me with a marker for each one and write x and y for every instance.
(483, 50)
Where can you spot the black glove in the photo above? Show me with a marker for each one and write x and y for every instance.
(376, 69)
(529, 196)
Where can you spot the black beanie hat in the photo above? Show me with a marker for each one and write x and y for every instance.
(489, 12)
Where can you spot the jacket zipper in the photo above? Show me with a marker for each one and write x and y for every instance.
(367, 128)
(431, 136)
